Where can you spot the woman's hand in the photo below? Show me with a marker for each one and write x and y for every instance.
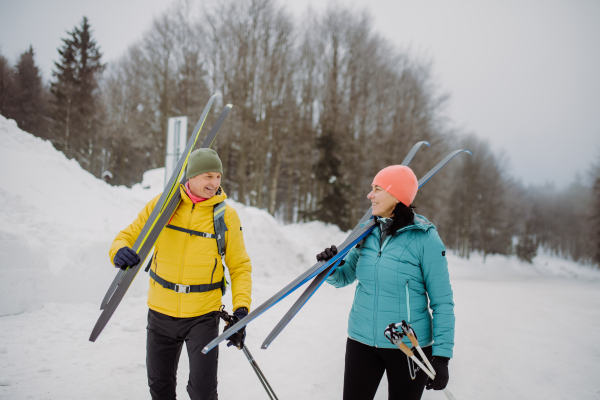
(440, 365)
(327, 254)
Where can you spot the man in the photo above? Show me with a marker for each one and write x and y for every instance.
(187, 253)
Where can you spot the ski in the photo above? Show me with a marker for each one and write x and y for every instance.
(170, 189)
(362, 229)
(318, 281)
(126, 278)
(441, 164)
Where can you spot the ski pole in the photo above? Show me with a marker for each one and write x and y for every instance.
(412, 336)
(230, 321)
(261, 376)
(395, 337)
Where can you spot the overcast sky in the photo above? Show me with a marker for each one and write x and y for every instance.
(522, 74)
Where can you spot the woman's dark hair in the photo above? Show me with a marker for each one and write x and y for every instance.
(402, 217)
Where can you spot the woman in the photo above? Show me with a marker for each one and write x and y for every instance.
(400, 265)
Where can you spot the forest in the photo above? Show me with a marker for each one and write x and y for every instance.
(320, 104)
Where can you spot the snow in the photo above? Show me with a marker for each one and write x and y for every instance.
(523, 331)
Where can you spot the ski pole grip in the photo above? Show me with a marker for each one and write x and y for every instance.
(413, 339)
(405, 349)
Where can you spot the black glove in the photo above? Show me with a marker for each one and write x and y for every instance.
(440, 365)
(327, 254)
(237, 339)
(126, 257)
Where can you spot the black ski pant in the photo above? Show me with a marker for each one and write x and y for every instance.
(365, 366)
(165, 339)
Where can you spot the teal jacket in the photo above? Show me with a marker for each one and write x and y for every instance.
(394, 282)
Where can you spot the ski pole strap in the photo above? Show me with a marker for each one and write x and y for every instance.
(185, 288)
(191, 232)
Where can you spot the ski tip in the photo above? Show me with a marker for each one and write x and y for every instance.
(264, 346)
(214, 96)
(468, 151)
(229, 105)
(427, 143)
(205, 350)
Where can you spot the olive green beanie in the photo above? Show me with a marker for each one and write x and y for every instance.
(203, 160)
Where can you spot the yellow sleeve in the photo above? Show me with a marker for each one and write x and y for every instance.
(128, 236)
(237, 261)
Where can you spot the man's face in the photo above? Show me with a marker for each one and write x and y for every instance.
(205, 185)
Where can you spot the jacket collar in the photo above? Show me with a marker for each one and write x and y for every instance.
(420, 222)
(218, 198)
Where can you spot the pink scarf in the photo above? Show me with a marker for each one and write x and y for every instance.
(195, 199)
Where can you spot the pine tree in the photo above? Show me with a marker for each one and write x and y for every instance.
(28, 95)
(526, 249)
(595, 220)
(76, 97)
(6, 83)
(333, 206)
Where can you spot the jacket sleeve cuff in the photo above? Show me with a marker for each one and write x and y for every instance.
(442, 353)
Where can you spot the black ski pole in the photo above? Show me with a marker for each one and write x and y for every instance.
(230, 321)
(259, 373)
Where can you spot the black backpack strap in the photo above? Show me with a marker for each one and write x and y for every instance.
(220, 226)
(191, 232)
(185, 288)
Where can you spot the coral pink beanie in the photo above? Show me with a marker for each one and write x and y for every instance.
(399, 181)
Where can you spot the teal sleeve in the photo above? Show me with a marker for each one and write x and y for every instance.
(439, 290)
(345, 274)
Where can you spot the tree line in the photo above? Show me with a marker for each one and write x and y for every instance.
(320, 105)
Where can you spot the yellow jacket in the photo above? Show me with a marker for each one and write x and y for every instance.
(193, 260)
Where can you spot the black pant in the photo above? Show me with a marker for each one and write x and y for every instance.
(163, 348)
(365, 366)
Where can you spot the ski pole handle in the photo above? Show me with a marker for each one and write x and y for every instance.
(405, 349)
(413, 339)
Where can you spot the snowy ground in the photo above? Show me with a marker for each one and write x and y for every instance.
(57, 222)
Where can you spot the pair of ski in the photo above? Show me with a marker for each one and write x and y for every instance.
(322, 269)
(395, 336)
(158, 219)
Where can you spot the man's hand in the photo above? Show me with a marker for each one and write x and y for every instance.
(125, 258)
(440, 365)
(237, 339)
(327, 254)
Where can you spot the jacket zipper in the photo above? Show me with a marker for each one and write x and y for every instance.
(155, 261)
(189, 225)
(213, 273)
(407, 302)
(377, 286)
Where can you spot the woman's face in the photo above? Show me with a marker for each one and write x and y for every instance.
(383, 203)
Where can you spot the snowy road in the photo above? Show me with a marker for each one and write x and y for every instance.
(509, 344)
